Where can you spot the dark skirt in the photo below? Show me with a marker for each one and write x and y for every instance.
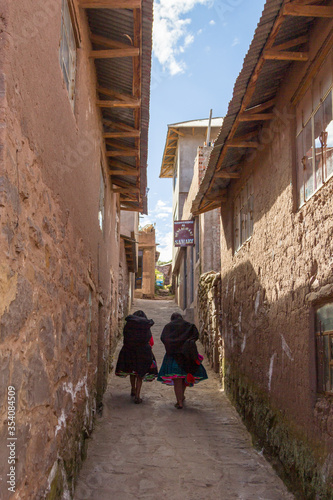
(171, 370)
(137, 362)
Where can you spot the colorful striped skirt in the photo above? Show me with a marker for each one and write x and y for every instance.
(171, 370)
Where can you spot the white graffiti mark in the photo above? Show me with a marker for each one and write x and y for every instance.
(270, 372)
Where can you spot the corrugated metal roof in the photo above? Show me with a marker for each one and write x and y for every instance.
(116, 74)
(267, 85)
(171, 143)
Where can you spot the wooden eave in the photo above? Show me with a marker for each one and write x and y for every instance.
(120, 36)
(265, 111)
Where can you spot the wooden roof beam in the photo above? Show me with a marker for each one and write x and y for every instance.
(121, 135)
(119, 125)
(128, 103)
(122, 152)
(124, 173)
(108, 42)
(110, 4)
(176, 131)
(285, 55)
(249, 117)
(307, 10)
(292, 43)
(112, 53)
(222, 174)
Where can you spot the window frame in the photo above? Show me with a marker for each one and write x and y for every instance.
(243, 215)
(69, 34)
(319, 175)
(324, 364)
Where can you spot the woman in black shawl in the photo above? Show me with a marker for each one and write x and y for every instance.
(136, 357)
(181, 365)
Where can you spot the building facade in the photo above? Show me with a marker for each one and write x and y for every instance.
(75, 102)
(185, 157)
(147, 257)
(271, 174)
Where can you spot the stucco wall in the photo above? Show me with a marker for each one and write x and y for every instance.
(53, 252)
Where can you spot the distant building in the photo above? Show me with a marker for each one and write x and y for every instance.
(147, 257)
(166, 270)
(185, 157)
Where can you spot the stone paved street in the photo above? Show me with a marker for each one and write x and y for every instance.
(153, 450)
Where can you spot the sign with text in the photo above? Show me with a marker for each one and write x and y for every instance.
(183, 231)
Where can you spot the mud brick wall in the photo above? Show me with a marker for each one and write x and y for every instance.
(270, 289)
(209, 300)
(58, 270)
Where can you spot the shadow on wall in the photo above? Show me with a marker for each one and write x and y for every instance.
(270, 371)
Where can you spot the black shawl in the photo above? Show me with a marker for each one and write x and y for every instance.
(179, 337)
(136, 354)
(137, 331)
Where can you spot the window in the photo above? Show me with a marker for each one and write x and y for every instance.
(67, 52)
(101, 201)
(243, 215)
(324, 341)
(315, 150)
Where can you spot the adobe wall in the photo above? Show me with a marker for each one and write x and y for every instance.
(53, 253)
(269, 289)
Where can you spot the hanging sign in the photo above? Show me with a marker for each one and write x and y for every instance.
(183, 231)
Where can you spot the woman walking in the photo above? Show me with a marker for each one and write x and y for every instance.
(181, 365)
(136, 357)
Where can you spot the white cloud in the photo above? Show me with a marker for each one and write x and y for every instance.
(235, 42)
(199, 31)
(165, 246)
(212, 22)
(171, 35)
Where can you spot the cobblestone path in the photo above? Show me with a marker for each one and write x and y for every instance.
(153, 450)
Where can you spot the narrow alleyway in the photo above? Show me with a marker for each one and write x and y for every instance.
(153, 450)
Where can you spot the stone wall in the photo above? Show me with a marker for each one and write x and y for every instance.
(209, 314)
(58, 269)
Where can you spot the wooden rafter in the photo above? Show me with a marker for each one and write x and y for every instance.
(243, 114)
(307, 10)
(110, 4)
(112, 53)
(108, 42)
(212, 205)
(250, 117)
(223, 174)
(122, 152)
(121, 135)
(119, 125)
(176, 131)
(292, 43)
(285, 55)
(128, 103)
(124, 173)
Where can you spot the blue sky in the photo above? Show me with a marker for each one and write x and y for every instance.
(198, 51)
